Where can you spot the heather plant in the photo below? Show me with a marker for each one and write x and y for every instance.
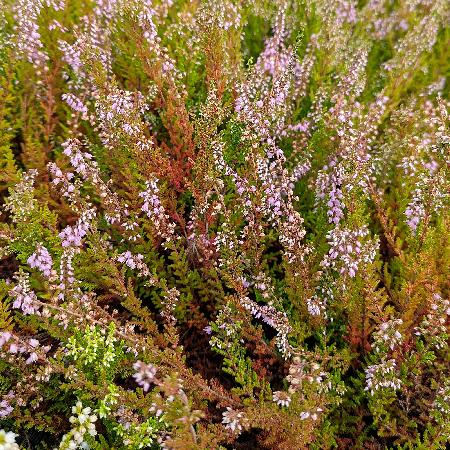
(224, 224)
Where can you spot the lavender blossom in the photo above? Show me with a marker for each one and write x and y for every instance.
(24, 297)
(349, 250)
(145, 374)
(382, 376)
(41, 260)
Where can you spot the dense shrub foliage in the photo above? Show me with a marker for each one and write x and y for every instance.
(225, 224)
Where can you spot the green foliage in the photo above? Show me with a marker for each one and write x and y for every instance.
(95, 351)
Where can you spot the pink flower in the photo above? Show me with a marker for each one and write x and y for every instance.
(233, 420)
(32, 358)
(5, 336)
(145, 374)
(24, 296)
(5, 408)
(13, 348)
(41, 260)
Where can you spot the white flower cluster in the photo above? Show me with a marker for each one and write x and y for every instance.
(233, 420)
(313, 415)
(317, 304)
(8, 440)
(442, 400)
(302, 370)
(429, 196)
(388, 335)
(82, 422)
(281, 398)
(276, 319)
(382, 376)
(349, 249)
(433, 326)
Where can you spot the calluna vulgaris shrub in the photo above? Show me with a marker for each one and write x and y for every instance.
(225, 224)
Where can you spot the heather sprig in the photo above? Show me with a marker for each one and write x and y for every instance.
(224, 224)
